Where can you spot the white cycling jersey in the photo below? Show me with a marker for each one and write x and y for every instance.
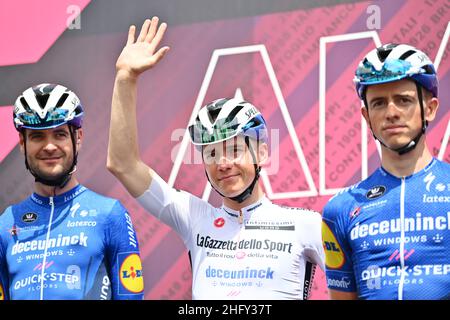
(264, 251)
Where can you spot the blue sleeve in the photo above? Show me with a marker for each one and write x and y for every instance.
(123, 256)
(4, 275)
(338, 263)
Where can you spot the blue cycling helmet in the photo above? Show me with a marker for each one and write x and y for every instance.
(47, 106)
(393, 62)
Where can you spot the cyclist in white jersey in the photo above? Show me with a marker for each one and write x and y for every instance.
(249, 248)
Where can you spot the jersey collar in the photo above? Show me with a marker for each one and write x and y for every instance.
(59, 199)
(433, 161)
(246, 211)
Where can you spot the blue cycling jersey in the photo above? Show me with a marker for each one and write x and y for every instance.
(77, 245)
(388, 237)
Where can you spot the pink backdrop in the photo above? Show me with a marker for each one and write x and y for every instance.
(84, 61)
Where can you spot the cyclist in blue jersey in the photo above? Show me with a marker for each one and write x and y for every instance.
(64, 242)
(387, 237)
(249, 248)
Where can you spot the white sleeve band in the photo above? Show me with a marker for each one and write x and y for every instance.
(156, 197)
(168, 205)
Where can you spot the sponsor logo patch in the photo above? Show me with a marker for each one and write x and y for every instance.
(219, 222)
(29, 217)
(343, 283)
(13, 231)
(355, 212)
(2, 294)
(130, 273)
(375, 192)
(334, 257)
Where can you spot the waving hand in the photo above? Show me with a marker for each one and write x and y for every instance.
(143, 53)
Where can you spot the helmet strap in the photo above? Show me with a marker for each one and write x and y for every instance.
(413, 143)
(248, 191)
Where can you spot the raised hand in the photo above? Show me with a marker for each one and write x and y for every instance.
(140, 55)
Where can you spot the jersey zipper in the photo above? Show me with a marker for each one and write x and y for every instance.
(402, 239)
(44, 261)
(241, 217)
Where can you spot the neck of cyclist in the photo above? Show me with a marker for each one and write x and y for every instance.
(408, 163)
(50, 191)
(256, 195)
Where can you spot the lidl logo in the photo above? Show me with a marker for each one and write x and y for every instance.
(2, 294)
(334, 257)
(131, 274)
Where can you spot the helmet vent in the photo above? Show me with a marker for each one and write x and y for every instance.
(212, 114)
(384, 51)
(62, 99)
(429, 69)
(42, 99)
(214, 109)
(25, 104)
(407, 54)
(233, 113)
(383, 54)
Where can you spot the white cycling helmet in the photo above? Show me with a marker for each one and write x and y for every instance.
(46, 106)
(224, 119)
